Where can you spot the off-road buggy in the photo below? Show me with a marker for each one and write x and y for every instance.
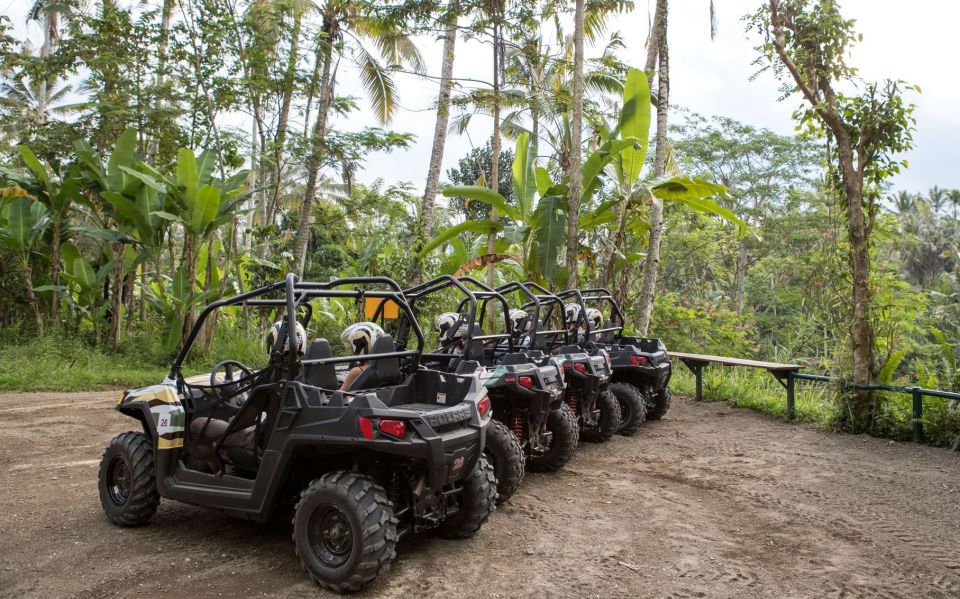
(395, 453)
(587, 375)
(524, 395)
(640, 365)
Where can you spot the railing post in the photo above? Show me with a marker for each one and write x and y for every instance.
(791, 411)
(917, 415)
(698, 372)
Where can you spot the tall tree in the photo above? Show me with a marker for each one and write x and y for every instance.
(443, 120)
(576, 143)
(807, 42)
(651, 266)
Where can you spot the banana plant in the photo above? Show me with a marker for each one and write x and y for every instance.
(22, 222)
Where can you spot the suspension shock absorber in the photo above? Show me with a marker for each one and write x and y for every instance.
(572, 401)
(395, 489)
(516, 425)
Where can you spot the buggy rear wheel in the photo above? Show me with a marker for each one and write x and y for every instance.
(127, 480)
(503, 451)
(562, 422)
(609, 419)
(344, 530)
(661, 403)
(477, 501)
(633, 407)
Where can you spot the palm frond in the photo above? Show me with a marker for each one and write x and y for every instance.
(379, 85)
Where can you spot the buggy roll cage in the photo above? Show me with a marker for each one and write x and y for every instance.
(469, 301)
(597, 294)
(299, 293)
(551, 300)
(536, 302)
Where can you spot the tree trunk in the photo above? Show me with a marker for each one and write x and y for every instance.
(166, 14)
(289, 87)
(55, 261)
(440, 129)
(651, 265)
(743, 256)
(315, 159)
(576, 150)
(864, 404)
(494, 157)
(31, 296)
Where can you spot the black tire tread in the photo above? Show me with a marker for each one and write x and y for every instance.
(143, 500)
(630, 394)
(562, 422)
(661, 403)
(378, 524)
(609, 419)
(511, 470)
(478, 502)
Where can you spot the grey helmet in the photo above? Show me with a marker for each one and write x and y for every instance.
(521, 321)
(274, 334)
(571, 313)
(360, 337)
(450, 325)
(595, 318)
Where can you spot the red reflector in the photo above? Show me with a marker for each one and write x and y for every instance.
(639, 360)
(526, 381)
(394, 428)
(580, 367)
(567, 365)
(483, 406)
(366, 427)
(509, 379)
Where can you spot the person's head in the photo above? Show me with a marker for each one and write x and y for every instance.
(571, 313)
(594, 318)
(521, 321)
(451, 326)
(360, 337)
(273, 337)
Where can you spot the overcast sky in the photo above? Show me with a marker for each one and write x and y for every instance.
(917, 43)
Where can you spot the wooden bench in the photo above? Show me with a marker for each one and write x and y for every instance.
(784, 373)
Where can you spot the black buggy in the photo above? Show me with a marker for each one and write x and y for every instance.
(525, 396)
(598, 413)
(640, 365)
(395, 453)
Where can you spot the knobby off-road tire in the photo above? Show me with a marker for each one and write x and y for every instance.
(127, 480)
(344, 531)
(633, 407)
(477, 502)
(562, 422)
(609, 408)
(661, 403)
(505, 455)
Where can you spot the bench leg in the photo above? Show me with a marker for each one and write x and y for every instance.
(917, 415)
(791, 411)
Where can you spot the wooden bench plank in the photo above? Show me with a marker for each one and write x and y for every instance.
(725, 361)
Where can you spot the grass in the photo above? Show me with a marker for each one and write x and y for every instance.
(62, 363)
(817, 403)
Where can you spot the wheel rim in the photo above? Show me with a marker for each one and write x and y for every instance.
(118, 481)
(330, 535)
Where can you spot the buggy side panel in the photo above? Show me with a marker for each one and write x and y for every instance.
(159, 409)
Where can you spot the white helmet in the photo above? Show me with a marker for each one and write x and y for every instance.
(446, 325)
(274, 334)
(521, 321)
(361, 337)
(595, 318)
(571, 313)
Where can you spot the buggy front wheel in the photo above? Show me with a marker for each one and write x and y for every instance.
(344, 531)
(633, 407)
(478, 500)
(127, 480)
(609, 419)
(505, 455)
(562, 422)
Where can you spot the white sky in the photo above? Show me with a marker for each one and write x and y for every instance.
(916, 43)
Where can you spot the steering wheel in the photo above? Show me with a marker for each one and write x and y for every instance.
(227, 365)
(235, 401)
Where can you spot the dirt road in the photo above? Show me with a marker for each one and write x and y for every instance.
(710, 502)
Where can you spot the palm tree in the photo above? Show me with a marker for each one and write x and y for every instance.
(346, 28)
(576, 136)
(443, 119)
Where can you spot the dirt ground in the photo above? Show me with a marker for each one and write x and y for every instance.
(710, 502)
